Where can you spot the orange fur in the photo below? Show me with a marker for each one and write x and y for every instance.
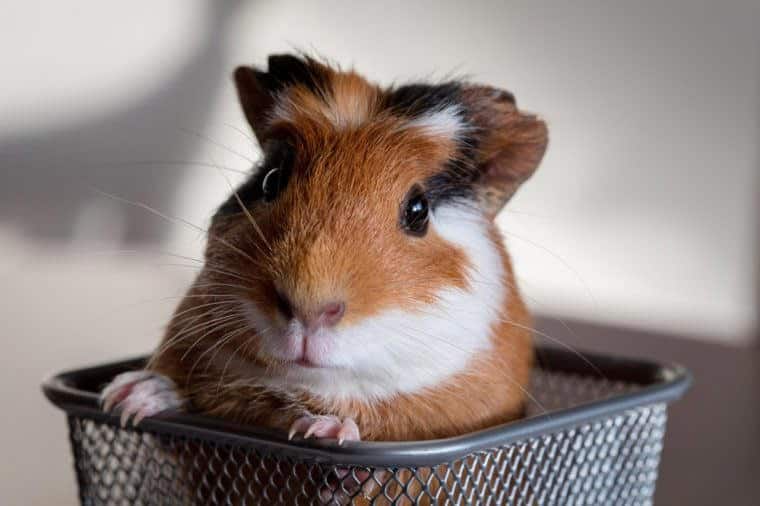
(334, 234)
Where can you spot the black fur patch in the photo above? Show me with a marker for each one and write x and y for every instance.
(287, 70)
(279, 154)
(458, 178)
(249, 191)
(459, 175)
(415, 100)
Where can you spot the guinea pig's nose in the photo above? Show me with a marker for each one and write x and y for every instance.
(330, 314)
(327, 315)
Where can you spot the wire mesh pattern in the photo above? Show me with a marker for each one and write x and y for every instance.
(612, 460)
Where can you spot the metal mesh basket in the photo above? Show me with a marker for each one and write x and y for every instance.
(593, 435)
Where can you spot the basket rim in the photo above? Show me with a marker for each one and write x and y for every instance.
(660, 383)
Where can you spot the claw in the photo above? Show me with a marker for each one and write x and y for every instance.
(120, 388)
(325, 427)
(300, 425)
(349, 431)
(139, 394)
(124, 418)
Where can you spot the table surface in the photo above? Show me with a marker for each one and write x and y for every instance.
(712, 446)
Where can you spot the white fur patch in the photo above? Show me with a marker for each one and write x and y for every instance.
(343, 111)
(445, 122)
(404, 351)
(348, 110)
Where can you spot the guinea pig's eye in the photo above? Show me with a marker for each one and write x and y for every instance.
(415, 212)
(273, 183)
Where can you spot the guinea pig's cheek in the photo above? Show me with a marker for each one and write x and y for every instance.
(257, 317)
(352, 346)
(275, 338)
(285, 344)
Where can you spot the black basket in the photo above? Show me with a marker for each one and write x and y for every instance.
(593, 435)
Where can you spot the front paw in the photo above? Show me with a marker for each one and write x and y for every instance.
(139, 393)
(323, 426)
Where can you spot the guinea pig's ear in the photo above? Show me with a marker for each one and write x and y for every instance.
(258, 90)
(255, 99)
(510, 144)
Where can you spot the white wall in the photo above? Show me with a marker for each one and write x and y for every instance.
(644, 212)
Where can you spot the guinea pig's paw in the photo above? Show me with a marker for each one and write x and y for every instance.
(323, 426)
(139, 393)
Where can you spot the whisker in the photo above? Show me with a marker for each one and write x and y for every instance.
(109, 312)
(235, 316)
(171, 340)
(190, 330)
(218, 346)
(202, 269)
(247, 213)
(199, 306)
(534, 331)
(226, 285)
(216, 143)
(534, 300)
(180, 163)
(559, 342)
(132, 252)
(231, 274)
(528, 214)
(173, 219)
(234, 353)
(560, 260)
(190, 319)
(241, 132)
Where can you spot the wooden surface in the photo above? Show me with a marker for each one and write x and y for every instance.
(712, 446)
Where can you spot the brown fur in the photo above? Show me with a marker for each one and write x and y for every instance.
(334, 234)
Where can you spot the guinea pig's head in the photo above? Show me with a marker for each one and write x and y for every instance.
(361, 249)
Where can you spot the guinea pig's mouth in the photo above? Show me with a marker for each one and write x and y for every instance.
(292, 348)
(305, 362)
(302, 363)
(312, 352)
(291, 343)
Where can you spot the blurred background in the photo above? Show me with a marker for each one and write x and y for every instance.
(641, 229)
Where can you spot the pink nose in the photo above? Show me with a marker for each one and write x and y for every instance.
(329, 315)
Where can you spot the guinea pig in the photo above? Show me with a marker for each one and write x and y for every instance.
(355, 286)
